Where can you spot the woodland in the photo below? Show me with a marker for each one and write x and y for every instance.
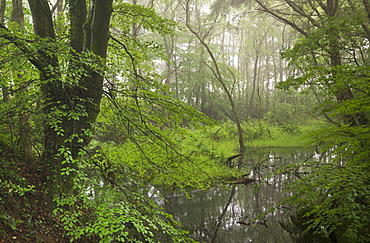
(102, 101)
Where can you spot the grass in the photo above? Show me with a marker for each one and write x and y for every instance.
(223, 139)
(279, 137)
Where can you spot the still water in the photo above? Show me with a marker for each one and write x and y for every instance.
(226, 214)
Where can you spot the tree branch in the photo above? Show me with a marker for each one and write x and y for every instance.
(300, 11)
(284, 20)
(10, 37)
(367, 8)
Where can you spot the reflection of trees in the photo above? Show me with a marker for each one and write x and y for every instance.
(213, 215)
(222, 216)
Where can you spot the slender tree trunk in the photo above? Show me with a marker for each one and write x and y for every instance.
(24, 118)
(367, 7)
(169, 51)
(254, 80)
(2, 10)
(4, 87)
(17, 12)
(217, 73)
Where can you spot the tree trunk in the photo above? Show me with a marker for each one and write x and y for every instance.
(335, 61)
(367, 8)
(17, 12)
(217, 73)
(5, 90)
(254, 80)
(331, 9)
(24, 118)
(87, 33)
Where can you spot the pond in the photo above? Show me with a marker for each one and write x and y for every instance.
(227, 213)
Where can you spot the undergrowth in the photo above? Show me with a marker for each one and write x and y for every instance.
(222, 140)
(23, 217)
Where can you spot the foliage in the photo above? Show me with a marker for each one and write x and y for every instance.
(160, 148)
(143, 138)
(292, 107)
(261, 134)
(332, 194)
(121, 209)
(19, 93)
(116, 208)
(149, 147)
(18, 191)
(219, 141)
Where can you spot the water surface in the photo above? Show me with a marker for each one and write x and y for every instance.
(226, 214)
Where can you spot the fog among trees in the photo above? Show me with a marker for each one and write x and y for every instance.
(104, 103)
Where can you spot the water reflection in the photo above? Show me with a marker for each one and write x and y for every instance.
(227, 213)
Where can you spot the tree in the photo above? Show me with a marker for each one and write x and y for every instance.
(67, 74)
(230, 32)
(217, 73)
(328, 57)
(89, 33)
(324, 19)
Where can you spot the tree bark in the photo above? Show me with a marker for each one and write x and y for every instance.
(24, 118)
(88, 33)
(335, 61)
(254, 80)
(2, 10)
(17, 12)
(77, 17)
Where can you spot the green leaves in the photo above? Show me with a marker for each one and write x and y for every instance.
(143, 16)
(104, 213)
(333, 195)
(334, 192)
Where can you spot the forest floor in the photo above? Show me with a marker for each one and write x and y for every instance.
(23, 213)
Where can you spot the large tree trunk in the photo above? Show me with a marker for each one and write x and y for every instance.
(53, 97)
(88, 33)
(335, 61)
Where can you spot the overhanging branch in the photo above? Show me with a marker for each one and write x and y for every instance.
(280, 18)
(8, 35)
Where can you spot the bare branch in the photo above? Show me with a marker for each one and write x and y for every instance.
(280, 18)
